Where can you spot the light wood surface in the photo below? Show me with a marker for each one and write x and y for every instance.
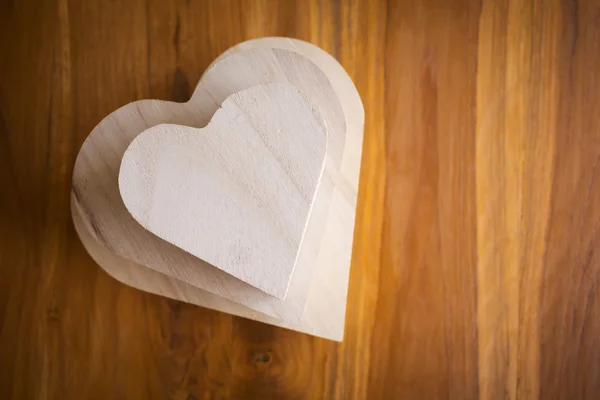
(307, 290)
(474, 271)
(237, 193)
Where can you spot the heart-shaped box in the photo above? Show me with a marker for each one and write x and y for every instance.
(95, 192)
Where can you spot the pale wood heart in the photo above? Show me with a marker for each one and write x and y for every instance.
(237, 193)
(98, 207)
(136, 257)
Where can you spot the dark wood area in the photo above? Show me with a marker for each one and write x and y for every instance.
(475, 267)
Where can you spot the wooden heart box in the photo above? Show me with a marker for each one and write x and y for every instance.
(242, 199)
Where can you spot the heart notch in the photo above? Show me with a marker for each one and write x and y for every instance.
(238, 193)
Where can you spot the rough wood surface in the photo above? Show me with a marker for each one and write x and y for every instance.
(237, 193)
(475, 270)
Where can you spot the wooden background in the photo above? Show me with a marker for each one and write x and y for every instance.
(475, 267)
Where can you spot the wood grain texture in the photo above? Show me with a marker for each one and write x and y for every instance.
(475, 269)
(237, 193)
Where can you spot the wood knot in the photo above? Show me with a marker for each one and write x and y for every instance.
(53, 314)
(260, 357)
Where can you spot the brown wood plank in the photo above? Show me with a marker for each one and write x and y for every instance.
(425, 333)
(516, 113)
(569, 301)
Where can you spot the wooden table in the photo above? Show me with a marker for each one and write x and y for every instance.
(475, 268)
